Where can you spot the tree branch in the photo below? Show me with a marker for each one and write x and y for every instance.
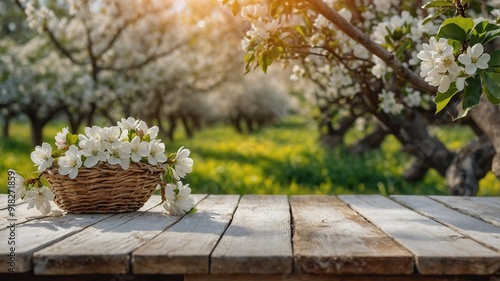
(358, 36)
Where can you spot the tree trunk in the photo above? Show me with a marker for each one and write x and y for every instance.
(470, 165)
(487, 118)
(369, 142)
(6, 125)
(36, 131)
(90, 115)
(171, 129)
(416, 170)
(249, 123)
(411, 131)
(74, 120)
(237, 125)
(187, 127)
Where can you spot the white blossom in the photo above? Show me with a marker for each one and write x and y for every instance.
(19, 186)
(119, 153)
(152, 132)
(110, 134)
(139, 149)
(413, 99)
(438, 66)
(94, 151)
(183, 164)
(128, 124)
(388, 103)
(39, 197)
(70, 162)
(156, 152)
(42, 156)
(178, 202)
(61, 139)
(474, 59)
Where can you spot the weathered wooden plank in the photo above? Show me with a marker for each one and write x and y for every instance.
(326, 277)
(106, 246)
(437, 249)
(331, 238)
(21, 215)
(258, 239)
(480, 231)
(484, 208)
(4, 203)
(36, 234)
(89, 277)
(186, 246)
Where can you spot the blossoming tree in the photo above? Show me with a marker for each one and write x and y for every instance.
(104, 37)
(388, 53)
(135, 57)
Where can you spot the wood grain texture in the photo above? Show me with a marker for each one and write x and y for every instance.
(186, 246)
(258, 239)
(480, 231)
(90, 277)
(437, 249)
(4, 202)
(331, 238)
(106, 246)
(484, 208)
(328, 277)
(21, 215)
(37, 234)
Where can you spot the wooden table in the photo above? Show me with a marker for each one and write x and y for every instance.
(269, 237)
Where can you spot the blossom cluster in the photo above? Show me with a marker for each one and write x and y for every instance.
(439, 66)
(131, 141)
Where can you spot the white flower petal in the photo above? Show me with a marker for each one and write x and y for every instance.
(476, 50)
(464, 59)
(482, 62)
(444, 85)
(471, 69)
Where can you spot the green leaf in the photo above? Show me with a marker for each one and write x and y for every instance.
(192, 211)
(248, 67)
(485, 26)
(71, 139)
(249, 58)
(406, 45)
(265, 61)
(432, 17)
(490, 35)
(437, 4)
(494, 59)
(301, 30)
(490, 97)
(472, 93)
(456, 28)
(461, 111)
(484, 32)
(491, 82)
(442, 99)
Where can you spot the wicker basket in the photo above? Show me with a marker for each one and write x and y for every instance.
(105, 188)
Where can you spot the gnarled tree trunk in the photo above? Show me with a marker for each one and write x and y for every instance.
(487, 118)
(471, 164)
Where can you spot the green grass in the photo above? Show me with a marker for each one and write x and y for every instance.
(283, 159)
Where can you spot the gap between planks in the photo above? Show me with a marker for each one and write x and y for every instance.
(95, 251)
(437, 249)
(186, 247)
